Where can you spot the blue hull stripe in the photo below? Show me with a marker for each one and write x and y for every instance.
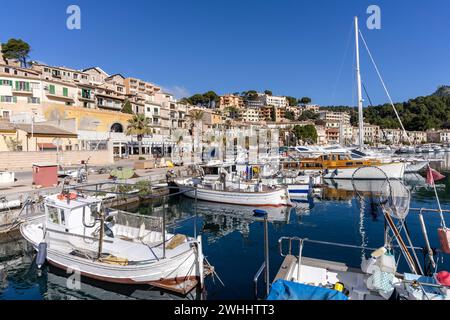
(299, 191)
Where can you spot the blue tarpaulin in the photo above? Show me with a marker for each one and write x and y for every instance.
(287, 290)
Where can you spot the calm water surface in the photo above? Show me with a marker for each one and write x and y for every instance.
(233, 243)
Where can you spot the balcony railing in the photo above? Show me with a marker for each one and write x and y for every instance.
(61, 95)
(22, 90)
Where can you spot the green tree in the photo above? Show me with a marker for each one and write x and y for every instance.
(273, 114)
(127, 108)
(292, 101)
(251, 95)
(233, 113)
(139, 125)
(306, 133)
(304, 100)
(268, 92)
(16, 49)
(308, 115)
(290, 115)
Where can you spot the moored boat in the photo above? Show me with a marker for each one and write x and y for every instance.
(344, 167)
(240, 193)
(76, 233)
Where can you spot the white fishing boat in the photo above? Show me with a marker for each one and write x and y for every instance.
(299, 187)
(76, 233)
(240, 193)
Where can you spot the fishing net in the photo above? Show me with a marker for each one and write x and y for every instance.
(135, 221)
(379, 190)
(395, 198)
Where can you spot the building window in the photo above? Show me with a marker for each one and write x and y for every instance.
(56, 73)
(35, 85)
(22, 86)
(6, 83)
(8, 99)
(34, 100)
(6, 70)
(65, 92)
(51, 89)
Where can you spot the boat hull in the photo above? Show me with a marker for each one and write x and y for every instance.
(276, 198)
(179, 274)
(391, 171)
(299, 191)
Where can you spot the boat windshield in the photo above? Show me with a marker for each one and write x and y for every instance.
(358, 154)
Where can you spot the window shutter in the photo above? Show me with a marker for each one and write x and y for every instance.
(17, 85)
(27, 86)
(65, 92)
(15, 99)
(2, 99)
(52, 89)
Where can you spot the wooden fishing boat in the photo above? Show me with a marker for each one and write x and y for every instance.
(344, 167)
(240, 193)
(76, 233)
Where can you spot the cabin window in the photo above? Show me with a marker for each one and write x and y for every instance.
(359, 163)
(63, 217)
(349, 164)
(342, 158)
(52, 214)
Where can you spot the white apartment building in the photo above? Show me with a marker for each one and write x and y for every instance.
(279, 102)
(250, 115)
(333, 116)
(21, 90)
(311, 107)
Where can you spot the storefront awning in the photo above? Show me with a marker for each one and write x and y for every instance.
(46, 146)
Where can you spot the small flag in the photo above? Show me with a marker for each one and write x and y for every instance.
(433, 175)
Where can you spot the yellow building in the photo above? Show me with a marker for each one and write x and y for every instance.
(89, 119)
(37, 137)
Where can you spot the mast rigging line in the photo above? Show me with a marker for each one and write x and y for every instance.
(384, 86)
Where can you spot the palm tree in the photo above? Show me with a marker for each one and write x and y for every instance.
(139, 125)
(196, 118)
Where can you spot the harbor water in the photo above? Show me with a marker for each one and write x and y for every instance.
(233, 242)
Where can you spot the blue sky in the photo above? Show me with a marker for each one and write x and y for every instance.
(293, 47)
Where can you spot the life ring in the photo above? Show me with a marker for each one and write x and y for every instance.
(69, 196)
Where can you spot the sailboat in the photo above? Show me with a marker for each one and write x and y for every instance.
(377, 278)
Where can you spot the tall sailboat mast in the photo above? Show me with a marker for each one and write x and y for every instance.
(358, 79)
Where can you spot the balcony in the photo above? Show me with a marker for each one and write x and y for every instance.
(85, 97)
(112, 105)
(22, 91)
(70, 97)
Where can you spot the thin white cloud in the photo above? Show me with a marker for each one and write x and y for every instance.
(178, 91)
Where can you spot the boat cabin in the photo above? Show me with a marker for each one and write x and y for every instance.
(69, 213)
(335, 161)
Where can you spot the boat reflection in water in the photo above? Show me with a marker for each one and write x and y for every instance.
(221, 220)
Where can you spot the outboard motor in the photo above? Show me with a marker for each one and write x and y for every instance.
(41, 255)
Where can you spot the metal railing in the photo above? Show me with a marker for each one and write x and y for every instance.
(256, 278)
(98, 188)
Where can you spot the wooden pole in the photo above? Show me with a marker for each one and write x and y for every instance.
(101, 235)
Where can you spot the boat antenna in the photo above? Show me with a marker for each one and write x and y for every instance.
(358, 79)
